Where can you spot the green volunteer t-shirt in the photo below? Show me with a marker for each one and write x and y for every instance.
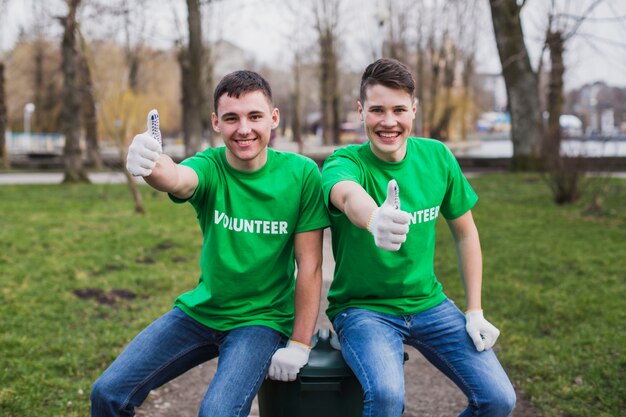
(430, 183)
(248, 221)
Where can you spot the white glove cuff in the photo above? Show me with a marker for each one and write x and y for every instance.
(474, 314)
(292, 344)
(372, 219)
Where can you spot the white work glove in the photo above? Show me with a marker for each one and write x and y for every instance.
(286, 362)
(388, 223)
(145, 149)
(483, 333)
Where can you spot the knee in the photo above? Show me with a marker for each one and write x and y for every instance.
(501, 402)
(387, 396)
(99, 391)
(507, 401)
(103, 395)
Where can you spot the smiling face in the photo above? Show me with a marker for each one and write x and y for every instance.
(388, 115)
(245, 123)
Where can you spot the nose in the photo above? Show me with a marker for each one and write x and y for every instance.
(388, 119)
(244, 128)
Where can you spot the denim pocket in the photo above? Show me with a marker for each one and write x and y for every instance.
(338, 321)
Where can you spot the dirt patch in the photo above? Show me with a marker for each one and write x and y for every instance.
(145, 260)
(101, 296)
(165, 245)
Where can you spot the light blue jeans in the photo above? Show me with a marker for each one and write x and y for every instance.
(372, 345)
(176, 343)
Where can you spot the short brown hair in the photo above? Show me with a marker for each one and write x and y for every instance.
(241, 82)
(388, 72)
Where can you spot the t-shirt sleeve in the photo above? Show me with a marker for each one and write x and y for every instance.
(204, 167)
(337, 168)
(312, 214)
(459, 197)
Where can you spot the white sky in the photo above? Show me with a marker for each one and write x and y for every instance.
(265, 29)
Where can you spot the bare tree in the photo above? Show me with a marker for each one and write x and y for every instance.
(4, 155)
(70, 122)
(564, 174)
(133, 48)
(326, 24)
(192, 63)
(88, 113)
(521, 83)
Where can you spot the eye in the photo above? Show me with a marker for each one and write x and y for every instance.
(256, 117)
(376, 110)
(400, 110)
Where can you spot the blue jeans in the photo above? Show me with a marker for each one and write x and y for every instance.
(372, 345)
(172, 345)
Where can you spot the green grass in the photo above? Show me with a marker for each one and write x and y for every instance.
(55, 240)
(554, 284)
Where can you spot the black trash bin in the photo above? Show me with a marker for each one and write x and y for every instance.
(326, 386)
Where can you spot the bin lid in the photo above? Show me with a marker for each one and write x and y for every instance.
(325, 360)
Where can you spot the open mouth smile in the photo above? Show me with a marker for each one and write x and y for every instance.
(244, 142)
(388, 137)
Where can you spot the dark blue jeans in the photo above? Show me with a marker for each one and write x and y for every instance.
(372, 345)
(176, 343)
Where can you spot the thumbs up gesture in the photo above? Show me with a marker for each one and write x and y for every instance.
(388, 224)
(145, 149)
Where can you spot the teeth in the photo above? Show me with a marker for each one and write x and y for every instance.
(388, 135)
(245, 142)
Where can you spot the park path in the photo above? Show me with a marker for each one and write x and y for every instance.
(428, 392)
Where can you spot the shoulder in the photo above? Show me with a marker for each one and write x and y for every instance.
(350, 151)
(427, 144)
(351, 154)
(293, 160)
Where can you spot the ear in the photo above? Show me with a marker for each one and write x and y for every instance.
(214, 122)
(359, 108)
(414, 108)
(275, 118)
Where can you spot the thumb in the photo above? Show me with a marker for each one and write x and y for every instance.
(393, 198)
(154, 126)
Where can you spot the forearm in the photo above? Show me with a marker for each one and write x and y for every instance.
(170, 177)
(354, 202)
(470, 268)
(308, 251)
(469, 256)
(307, 302)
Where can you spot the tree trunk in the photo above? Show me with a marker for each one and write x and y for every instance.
(419, 81)
(88, 109)
(521, 84)
(207, 96)
(329, 89)
(434, 84)
(564, 174)
(552, 144)
(4, 155)
(130, 180)
(70, 120)
(327, 16)
(39, 50)
(296, 104)
(193, 87)
(468, 73)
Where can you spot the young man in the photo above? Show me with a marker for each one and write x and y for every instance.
(385, 293)
(258, 210)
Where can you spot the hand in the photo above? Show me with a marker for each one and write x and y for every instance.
(145, 149)
(483, 333)
(388, 223)
(286, 362)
